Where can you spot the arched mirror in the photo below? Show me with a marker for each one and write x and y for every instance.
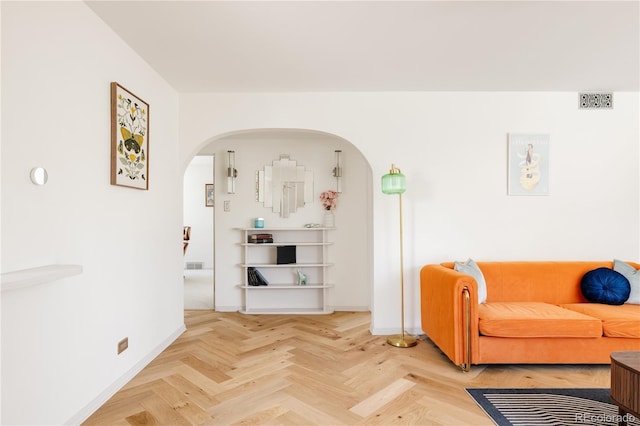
(284, 186)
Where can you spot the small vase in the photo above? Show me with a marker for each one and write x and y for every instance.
(328, 220)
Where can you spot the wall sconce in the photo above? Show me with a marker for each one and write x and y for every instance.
(337, 170)
(232, 173)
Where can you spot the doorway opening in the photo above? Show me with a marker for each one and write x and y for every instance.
(198, 216)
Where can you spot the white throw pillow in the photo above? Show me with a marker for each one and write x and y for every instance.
(633, 275)
(471, 268)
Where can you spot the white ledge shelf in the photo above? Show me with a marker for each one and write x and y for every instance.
(34, 276)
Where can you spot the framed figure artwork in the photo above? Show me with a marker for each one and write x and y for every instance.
(528, 168)
(129, 139)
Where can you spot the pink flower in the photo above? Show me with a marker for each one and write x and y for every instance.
(329, 199)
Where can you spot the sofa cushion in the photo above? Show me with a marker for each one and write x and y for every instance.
(604, 285)
(471, 268)
(633, 275)
(535, 319)
(617, 321)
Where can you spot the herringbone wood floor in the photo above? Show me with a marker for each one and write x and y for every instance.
(229, 368)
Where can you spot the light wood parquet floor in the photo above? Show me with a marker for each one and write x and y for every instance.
(235, 369)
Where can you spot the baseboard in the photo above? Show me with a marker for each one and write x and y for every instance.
(335, 308)
(389, 331)
(228, 308)
(351, 308)
(97, 402)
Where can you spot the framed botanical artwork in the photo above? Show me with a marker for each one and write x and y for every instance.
(209, 194)
(129, 139)
(528, 164)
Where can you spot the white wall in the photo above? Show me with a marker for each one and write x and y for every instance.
(453, 149)
(196, 214)
(59, 339)
(316, 153)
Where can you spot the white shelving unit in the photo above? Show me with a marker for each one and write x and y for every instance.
(283, 295)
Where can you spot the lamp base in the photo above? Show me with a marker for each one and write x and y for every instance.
(402, 340)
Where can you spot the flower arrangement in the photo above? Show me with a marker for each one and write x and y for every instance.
(328, 199)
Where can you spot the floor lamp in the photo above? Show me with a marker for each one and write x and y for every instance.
(394, 183)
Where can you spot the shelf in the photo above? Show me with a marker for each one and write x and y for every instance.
(284, 265)
(302, 228)
(40, 275)
(283, 295)
(285, 243)
(286, 286)
(292, 311)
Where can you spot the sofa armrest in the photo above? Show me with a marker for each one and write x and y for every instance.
(443, 307)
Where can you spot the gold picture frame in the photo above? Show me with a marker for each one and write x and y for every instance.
(129, 139)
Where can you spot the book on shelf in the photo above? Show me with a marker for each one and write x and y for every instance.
(261, 277)
(255, 277)
(261, 241)
(260, 238)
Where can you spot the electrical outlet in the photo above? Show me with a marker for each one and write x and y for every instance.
(227, 205)
(123, 345)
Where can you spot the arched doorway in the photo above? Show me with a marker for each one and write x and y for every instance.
(351, 252)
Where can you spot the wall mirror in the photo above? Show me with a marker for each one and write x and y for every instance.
(284, 186)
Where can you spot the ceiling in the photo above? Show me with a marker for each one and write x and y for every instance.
(268, 46)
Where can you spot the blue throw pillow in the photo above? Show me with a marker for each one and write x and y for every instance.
(604, 285)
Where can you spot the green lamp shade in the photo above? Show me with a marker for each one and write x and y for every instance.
(394, 182)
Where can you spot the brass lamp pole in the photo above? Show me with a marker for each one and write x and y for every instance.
(395, 183)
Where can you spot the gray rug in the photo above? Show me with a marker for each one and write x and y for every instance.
(530, 407)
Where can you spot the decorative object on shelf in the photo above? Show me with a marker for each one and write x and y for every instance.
(129, 139)
(395, 183)
(302, 278)
(286, 255)
(39, 175)
(312, 225)
(528, 164)
(232, 173)
(328, 199)
(258, 222)
(337, 170)
(209, 195)
(328, 220)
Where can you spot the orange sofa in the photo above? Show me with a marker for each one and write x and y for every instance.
(535, 313)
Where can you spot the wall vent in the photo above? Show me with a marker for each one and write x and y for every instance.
(194, 265)
(595, 100)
